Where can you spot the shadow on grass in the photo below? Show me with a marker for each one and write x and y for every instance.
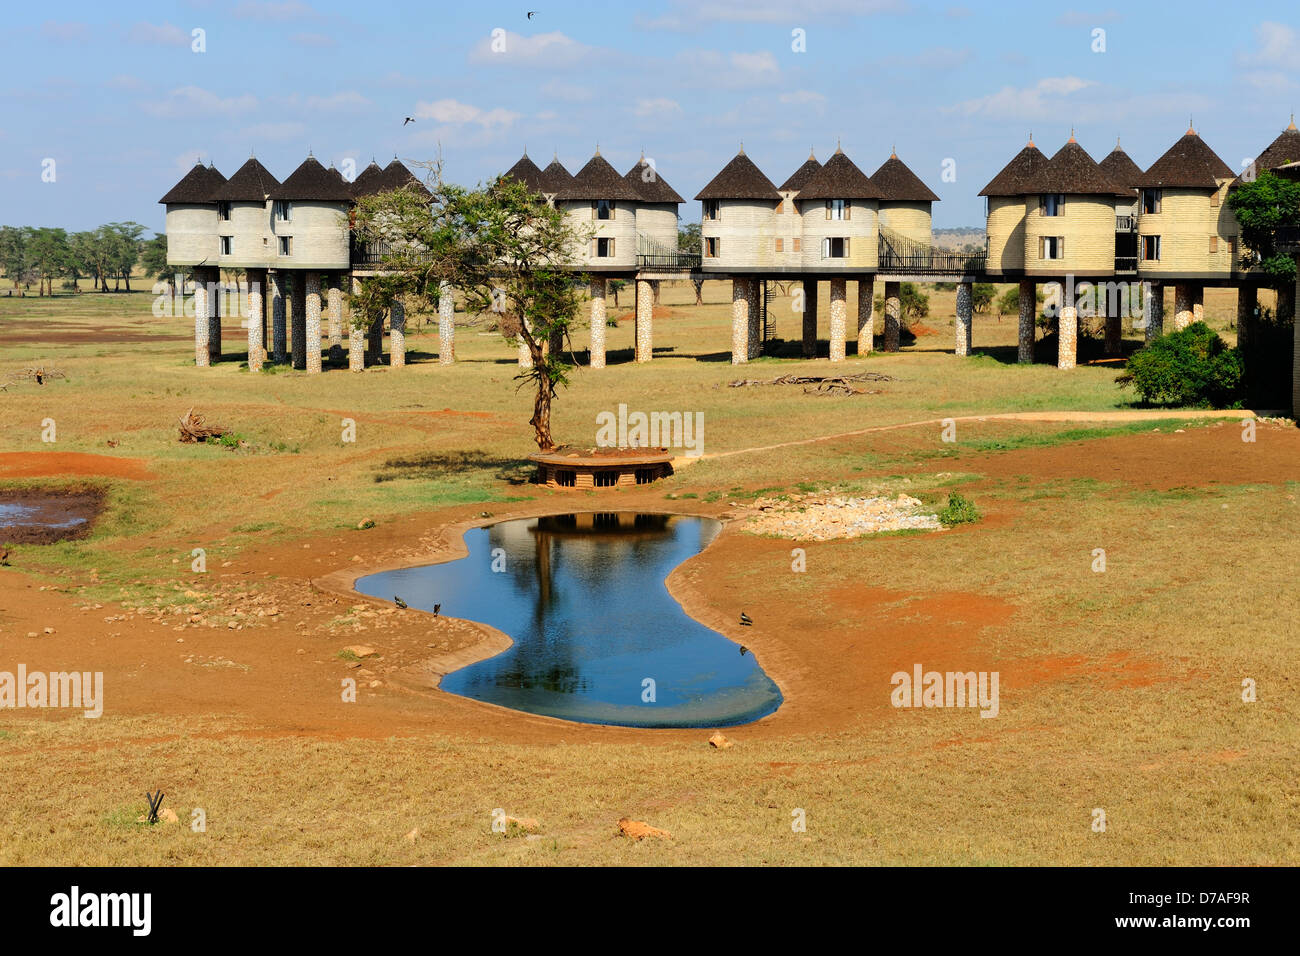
(436, 465)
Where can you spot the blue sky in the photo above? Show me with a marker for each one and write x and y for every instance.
(116, 96)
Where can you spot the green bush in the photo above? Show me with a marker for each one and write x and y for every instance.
(960, 510)
(1190, 367)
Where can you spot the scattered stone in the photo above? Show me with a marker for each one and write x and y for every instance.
(361, 650)
(413, 835)
(365, 525)
(825, 516)
(719, 742)
(32, 634)
(638, 831)
(528, 824)
(49, 630)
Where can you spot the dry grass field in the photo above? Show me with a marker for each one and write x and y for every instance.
(1120, 690)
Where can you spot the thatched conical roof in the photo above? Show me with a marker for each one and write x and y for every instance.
(650, 186)
(840, 179)
(599, 180)
(312, 181)
(740, 179)
(799, 178)
(196, 186)
(1015, 177)
(397, 176)
(1188, 164)
(252, 182)
(1121, 169)
(897, 182)
(555, 178)
(367, 181)
(526, 172)
(1285, 149)
(1072, 170)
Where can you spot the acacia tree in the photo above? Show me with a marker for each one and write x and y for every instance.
(503, 247)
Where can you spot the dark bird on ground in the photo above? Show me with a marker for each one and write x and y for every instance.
(112, 443)
(436, 609)
(743, 650)
(409, 119)
(745, 619)
(4, 557)
(399, 602)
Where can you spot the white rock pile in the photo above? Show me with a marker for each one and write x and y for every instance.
(825, 517)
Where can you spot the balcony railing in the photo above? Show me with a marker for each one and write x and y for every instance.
(901, 255)
(655, 255)
(1126, 264)
(1126, 223)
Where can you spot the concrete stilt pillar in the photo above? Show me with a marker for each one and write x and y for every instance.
(397, 334)
(1027, 320)
(298, 322)
(866, 321)
(279, 340)
(965, 318)
(525, 354)
(739, 321)
(1182, 305)
(1247, 301)
(356, 334)
(202, 357)
(446, 324)
(1068, 338)
(598, 320)
(334, 301)
(809, 318)
(311, 323)
(1153, 311)
(753, 292)
(893, 315)
(839, 318)
(215, 306)
(644, 321)
(256, 351)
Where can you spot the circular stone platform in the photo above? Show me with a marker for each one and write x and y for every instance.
(602, 467)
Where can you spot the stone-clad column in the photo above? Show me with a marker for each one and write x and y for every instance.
(525, 354)
(356, 334)
(1182, 305)
(839, 318)
(809, 342)
(893, 315)
(1068, 338)
(1198, 302)
(279, 340)
(644, 321)
(334, 300)
(202, 357)
(215, 305)
(598, 320)
(753, 291)
(1153, 311)
(866, 321)
(298, 321)
(311, 323)
(446, 324)
(1027, 317)
(256, 352)
(397, 334)
(739, 321)
(965, 316)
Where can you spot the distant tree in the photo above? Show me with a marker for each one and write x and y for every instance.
(1009, 301)
(981, 295)
(615, 287)
(49, 256)
(81, 257)
(914, 303)
(1191, 366)
(125, 244)
(1261, 207)
(688, 240)
(14, 253)
(153, 259)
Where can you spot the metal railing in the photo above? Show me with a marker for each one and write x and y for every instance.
(655, 255)
(1126, 223)
(899, 254)
(1126, 264)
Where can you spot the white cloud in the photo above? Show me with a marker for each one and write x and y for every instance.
(574, 92)
(338, 102)
(272, 10)
(1278, 46)
(553, 49)
(455, 113)
(712, 68)
(658, 106)
(1042, 100)
(158, 34)
(802, 98)
(195, 102)
(782, 11)
(932, 59)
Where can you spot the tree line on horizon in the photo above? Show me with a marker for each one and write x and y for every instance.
(37, 255)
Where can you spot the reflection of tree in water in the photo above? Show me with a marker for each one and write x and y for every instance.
(596, 547)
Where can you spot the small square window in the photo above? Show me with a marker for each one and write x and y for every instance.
(780, 245)
(223, 211)
(1151, 201)
(1151, 248)
(712, 211)
(1053, 204)
(283, 211)
(227, 245)
(1214, 244)
(711, 246)
(797, 244)
(286, 245)
(604, 248)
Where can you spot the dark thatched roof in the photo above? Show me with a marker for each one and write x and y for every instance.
(196, 186)
(312, 181)
(1015, 177)
(555, 177)
(840, 179)
(799, 178)
(899, 183)
(397, 176)
(367, 181)
(1188, 164)
(1072, 170)
(526, 172)
(598, 180)
(1285, 149)
(252, 182)
(1121, 169)
(740, 179)
(651, 187)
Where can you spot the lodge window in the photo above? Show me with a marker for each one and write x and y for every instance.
(566, 479)
(605, 479)
(780, 245)
(286, 245)
(604, 248)
(1151, 201)
(797, 244)
(645, 475)
(1053, 204)
(1051, 247)
(711, 210)
(223, 211)
(602, 209)
(1151, 248)
(838, 210)
(835, 248)
(227, 245)
(283, 211)
(1214, 199)
(711, 248)
(1214, 244)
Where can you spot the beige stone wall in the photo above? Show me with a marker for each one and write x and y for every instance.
(860, 229)
(621, 228)
(191, 234)
(1088, 227)
(911, 219)
(657, 221)
(1006, 234)
(249, 228)
(747, 230)
(1185, 223)
(320, 236)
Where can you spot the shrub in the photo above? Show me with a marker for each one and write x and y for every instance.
(960, 510)
(1192, 366)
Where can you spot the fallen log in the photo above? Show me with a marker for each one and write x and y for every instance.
(195, 429)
